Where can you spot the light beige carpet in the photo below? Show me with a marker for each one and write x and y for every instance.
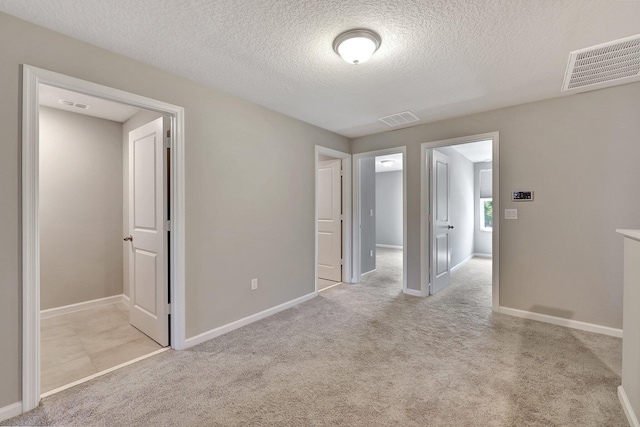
(366, 355)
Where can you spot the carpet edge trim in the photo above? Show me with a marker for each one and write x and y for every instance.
(626, 406)
(221, 330)
(560, 321)
(10, 411)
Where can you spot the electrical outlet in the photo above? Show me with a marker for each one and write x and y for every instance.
(254, 284)
(511, 214)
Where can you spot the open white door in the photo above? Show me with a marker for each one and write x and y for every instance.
(148, 255)
(440, 223)
(329, 205)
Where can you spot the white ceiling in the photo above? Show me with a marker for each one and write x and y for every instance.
(396, 166)
(102, 108)
(481, 151)
(438, 58)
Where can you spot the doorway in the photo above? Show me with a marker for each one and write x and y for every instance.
(333, 208)
(34, 79)
(380, 217)
(86, 324)
(459, 188)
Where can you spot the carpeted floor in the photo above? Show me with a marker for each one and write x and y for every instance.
(366, 355)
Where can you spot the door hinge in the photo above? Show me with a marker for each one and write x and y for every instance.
(341, 217)
(168, 226)
(341, 172)
(341, 261)
(430, 218)
(168, 133)
(168, 309)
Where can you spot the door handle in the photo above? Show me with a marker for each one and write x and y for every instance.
(450, 227)
(128, 238)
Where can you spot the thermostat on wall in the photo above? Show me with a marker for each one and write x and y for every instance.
(522, 196)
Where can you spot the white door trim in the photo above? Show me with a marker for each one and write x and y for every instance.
(346, 207)
(31, 78)
(424, 211)
(357, 274)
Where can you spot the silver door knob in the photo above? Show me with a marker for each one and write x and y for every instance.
(128, 239)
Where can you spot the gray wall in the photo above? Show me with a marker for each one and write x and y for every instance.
(461, 199)
(367, 221)
(139, 119)
(80, 208)
(249, 188)
(389, 208)
(580, 154)
(482, 239)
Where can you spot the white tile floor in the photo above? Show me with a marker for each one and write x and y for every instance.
(76, 345)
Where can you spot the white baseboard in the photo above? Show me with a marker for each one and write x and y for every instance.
(626, 406)
(479, 255)
(52, 312)
(569, 323)
(460, 264)
(388, 246)
(125, 300)
(414, 292)
(206, 336)
(10, 411)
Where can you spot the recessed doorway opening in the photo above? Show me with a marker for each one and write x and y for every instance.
(459, 210)
(87, 323)
(46, 244)
(380, 218)
(333, 208)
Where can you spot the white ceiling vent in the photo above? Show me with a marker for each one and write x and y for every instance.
(399, 119)
(606, 64)
(70, 103)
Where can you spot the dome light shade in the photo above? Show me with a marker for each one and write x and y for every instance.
(356, 46)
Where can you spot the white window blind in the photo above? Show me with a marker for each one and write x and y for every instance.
(486, 183)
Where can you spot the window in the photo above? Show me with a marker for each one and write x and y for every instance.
(486, 199)
(486, 214)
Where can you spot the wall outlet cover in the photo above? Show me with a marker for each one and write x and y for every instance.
(511, 214)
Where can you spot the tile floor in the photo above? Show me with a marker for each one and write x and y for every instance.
(76, 345)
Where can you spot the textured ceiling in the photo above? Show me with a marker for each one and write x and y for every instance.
(438, 58)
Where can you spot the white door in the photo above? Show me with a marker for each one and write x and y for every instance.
(148, 255)
(440, 223)
(329, 205)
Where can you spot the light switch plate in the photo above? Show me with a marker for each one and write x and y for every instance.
(511, 214)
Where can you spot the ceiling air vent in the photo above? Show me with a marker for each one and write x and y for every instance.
(399, 119)
(70, 103)
(611, 63)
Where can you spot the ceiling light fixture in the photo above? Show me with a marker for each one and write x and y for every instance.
(387, 163)
(356, 46)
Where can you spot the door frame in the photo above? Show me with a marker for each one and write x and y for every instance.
(32, 77)
(425, 241)
(356, 267)
(346, 211)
